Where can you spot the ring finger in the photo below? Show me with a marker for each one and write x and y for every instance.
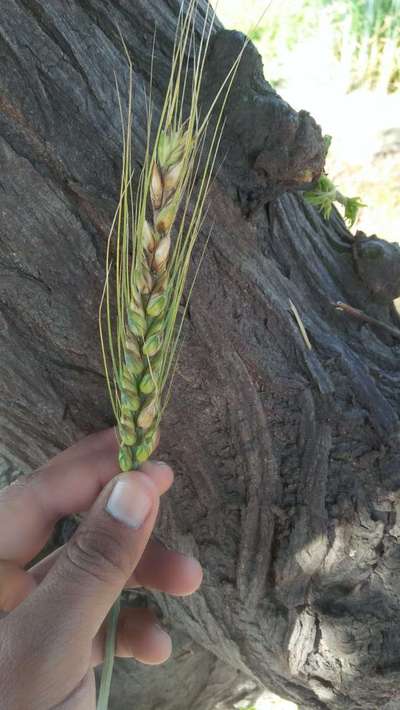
(139, 636)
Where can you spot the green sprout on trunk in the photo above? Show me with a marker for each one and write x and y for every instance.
(325, 193)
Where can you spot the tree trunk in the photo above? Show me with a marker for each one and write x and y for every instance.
(286, 447)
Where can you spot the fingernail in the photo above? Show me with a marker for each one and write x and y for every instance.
(129, 502)
(160, 463)
(160, 628)
(162, 640)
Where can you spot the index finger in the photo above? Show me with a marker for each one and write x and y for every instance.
(69, 483)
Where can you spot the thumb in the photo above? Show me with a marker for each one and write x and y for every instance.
(102, 554)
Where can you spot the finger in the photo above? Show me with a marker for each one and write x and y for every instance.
(167, 571)
(15, 585)
(42, 568)
(92, 444)
(159, 569)
(69, 484)
(96, 563)
(139, 636)
(162, 476)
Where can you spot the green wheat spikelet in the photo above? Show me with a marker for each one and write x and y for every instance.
(325, 193)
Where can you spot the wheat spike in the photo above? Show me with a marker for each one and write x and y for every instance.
(149, 250)
(145, 315)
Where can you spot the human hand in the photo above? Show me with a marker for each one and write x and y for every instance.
(53, 632)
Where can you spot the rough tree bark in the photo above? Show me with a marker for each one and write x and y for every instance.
(287, 458)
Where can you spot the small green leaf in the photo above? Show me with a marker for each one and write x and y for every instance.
(327, 142)
(351, 209)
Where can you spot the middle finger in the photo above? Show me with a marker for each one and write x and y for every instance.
(159, 569)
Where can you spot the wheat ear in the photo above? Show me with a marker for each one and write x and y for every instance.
(150, 256)
(140, 380)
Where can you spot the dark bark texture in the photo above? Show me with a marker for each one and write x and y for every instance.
(287, 457)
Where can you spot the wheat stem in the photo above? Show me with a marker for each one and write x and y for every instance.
(109, 651)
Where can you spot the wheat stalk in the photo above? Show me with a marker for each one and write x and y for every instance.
(149, 251)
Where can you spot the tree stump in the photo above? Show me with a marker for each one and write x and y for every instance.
(286, 447)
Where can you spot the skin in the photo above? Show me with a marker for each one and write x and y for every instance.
(52, 621)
